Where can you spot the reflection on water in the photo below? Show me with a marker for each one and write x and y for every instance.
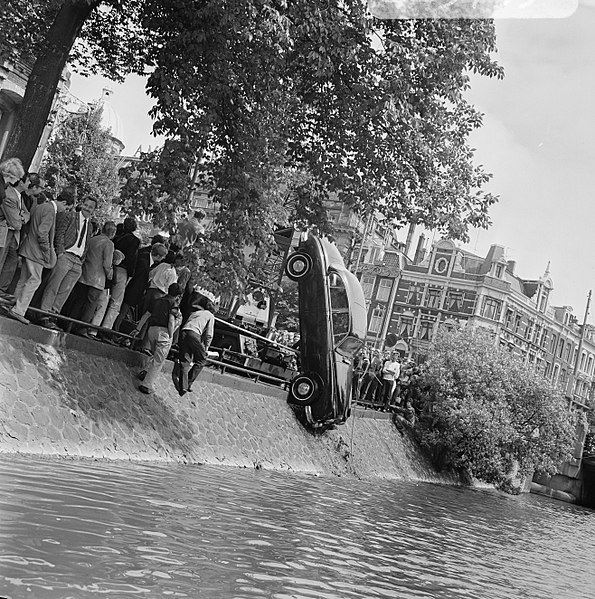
(81, 529)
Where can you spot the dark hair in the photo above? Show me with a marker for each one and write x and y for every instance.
(94, 200)
(67, 195)
(157, 239)
(34, 179)
(175, 290)
(129, 224)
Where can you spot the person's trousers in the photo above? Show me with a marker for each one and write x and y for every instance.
(9, 259)
(60, 282)
(160, 344)
(90, 297)
(387, 391)
(29, 281)
(191, 352)
(116, 296)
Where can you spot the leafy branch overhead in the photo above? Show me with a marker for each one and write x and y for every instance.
(281, 104)
(373, 110)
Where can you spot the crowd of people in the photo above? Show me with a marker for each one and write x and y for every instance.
(386, 381)
(90, 278)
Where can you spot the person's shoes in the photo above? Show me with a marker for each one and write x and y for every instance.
(15, 316)
(144, 390)
(182, 392)
(47, 323)
(141, 375)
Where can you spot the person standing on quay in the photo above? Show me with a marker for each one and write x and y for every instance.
(195, 338)
(163, 319)
(97, 269)
(13, 216)
(73, 231)
(128, 244)
(37, 252)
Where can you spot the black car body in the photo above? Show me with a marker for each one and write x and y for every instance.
(333, 323)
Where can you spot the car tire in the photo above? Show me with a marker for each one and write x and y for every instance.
(298, 266)
(304, 390)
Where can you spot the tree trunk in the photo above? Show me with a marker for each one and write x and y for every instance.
(44, 78)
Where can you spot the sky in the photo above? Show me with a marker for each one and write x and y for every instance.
(537, 139)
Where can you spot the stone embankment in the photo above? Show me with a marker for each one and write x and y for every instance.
(62, 395)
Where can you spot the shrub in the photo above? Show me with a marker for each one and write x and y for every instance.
(484, 411)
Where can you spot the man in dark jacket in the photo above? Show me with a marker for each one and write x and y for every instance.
(147, 258)
(128, 244)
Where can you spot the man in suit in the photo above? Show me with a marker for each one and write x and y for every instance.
(97, 269)
(71, 241)
(38, 253)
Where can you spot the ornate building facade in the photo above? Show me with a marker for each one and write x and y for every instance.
(449, 286)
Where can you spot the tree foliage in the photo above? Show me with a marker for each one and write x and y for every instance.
(373, 111)
(80, 154)
(487, 413)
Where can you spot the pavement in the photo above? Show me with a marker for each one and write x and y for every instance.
(67, 396)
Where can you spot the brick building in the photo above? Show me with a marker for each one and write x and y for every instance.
(449, 286)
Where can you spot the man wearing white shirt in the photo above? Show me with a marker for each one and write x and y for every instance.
(391, 370)
(73, 230)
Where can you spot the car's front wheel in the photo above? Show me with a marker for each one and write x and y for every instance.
(305, 388)
(298, 266)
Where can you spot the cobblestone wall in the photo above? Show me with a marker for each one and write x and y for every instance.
(67, 396)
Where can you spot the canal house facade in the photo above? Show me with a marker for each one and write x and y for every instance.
(408, 300)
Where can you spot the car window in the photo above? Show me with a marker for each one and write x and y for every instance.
(349, 346)
(338, 292)
(340, 325)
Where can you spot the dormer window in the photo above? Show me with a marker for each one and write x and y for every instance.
(499, 270)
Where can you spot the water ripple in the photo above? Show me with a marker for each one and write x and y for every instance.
(81, 529)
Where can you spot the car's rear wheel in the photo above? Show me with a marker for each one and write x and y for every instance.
(305, 388)
(298, 266)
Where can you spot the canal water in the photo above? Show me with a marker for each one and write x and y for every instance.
(78, 529)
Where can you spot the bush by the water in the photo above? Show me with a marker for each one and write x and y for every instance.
(485, 412)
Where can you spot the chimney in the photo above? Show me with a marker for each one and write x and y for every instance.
(420, 251)
(510, 266)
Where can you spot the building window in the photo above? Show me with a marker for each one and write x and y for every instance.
(560, 347)
(368, 285)
(536, 333)
(426, 328)
(383, 292)
(543, 340)
(570, 355)
(406, 327)
(499, 270)
(433, 298)
(553, 344)
(492, 308)
(508, 319)
(518, 321)
(377, 318)
(543, 300)
(454, 301)
(413, 296)
(529, 329)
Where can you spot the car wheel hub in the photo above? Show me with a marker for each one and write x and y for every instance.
(304, 388)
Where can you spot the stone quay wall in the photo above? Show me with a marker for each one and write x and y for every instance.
(62, 395)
